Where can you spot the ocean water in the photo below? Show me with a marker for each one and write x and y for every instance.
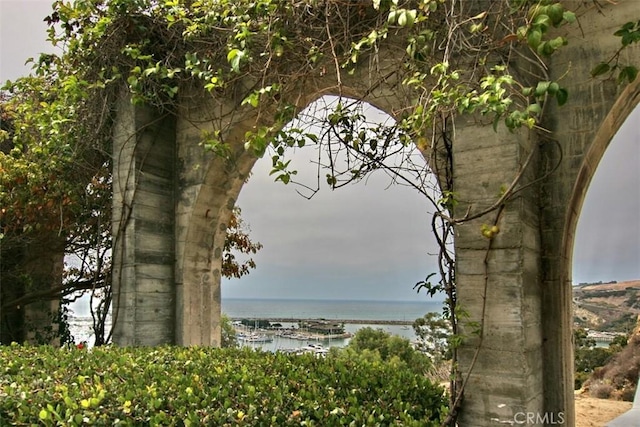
(81, 329)
(80, 326)
(328, 309)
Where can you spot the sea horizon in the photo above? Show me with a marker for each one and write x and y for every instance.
(335, 299)
(294, 308)
(305, 308)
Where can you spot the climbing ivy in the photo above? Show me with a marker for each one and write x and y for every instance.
(629, 34)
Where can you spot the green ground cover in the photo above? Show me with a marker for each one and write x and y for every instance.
(205, 386)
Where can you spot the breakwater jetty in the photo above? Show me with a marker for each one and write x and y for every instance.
(345, 321)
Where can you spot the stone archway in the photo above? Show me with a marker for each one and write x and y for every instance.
(596, 110)
(628, 100)
(216, 187)
(172, 199)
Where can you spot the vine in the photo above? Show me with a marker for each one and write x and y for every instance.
(629, 34)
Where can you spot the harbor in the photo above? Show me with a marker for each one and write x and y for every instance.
(265, 330)
(294, 335)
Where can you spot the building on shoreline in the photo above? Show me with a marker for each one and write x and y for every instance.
(323, 327)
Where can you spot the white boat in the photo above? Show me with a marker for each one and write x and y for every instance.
(316, 349)
(253, 338)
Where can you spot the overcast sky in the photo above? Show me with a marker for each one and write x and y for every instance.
(370, 241)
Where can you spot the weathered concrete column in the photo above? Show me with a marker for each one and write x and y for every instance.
(143, 226)
(498, 280)
(44, 261)
(208, 188)
(582, 130)
(27, 319)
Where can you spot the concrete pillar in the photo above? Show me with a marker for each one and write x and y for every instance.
(197, 283)
(582, 129)
(33, 266)
(208, 188)
(44, 262)
(499, 280)
(143, 226)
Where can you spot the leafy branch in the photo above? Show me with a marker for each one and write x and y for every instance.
(629, 34)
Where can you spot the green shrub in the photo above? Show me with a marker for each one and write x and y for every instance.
(205, 386)
(390, 348)
(228, 333)
(621, 373)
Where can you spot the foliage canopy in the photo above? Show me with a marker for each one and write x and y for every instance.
(195, 386)
(389, 347)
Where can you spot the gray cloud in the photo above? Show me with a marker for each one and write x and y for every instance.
(367, 241)
(607, 245)
(22, 35)
(363, 240)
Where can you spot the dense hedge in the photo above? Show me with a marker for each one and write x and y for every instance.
(204, 386)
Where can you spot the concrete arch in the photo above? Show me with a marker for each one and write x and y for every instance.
(172, 199)
(558, 232)
(206, 209)
(628, 100)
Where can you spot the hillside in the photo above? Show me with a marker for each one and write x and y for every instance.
(611, 306)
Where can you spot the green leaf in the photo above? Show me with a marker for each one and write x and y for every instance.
(393, 16)
(43, 415)
(557, 42)
(534, 39)
(553, 88)
(600, 69)
(555, 12)
(542, 21)
(234, 57)
(569, 16)
(534, 109)
(372, 37)
(402, 17)
(284, 178)
(252, 99)
(411, 17)
(541, 88)
(628, 73)
(562, 96)
(496, 121)
(150, 71)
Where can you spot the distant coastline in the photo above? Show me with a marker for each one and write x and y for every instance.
(289, 310)
(345, 321)
(373, 301)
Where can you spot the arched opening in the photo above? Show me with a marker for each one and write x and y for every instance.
(352, 251)
(606, 265)
(607, 241)
(210, 185)
(604, 251)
